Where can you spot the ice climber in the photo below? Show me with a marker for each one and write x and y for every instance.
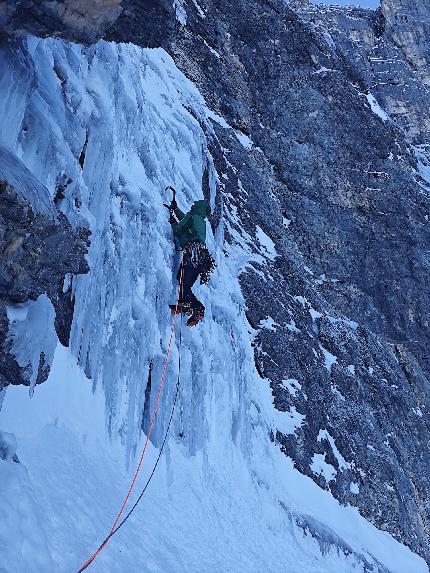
(190, 235)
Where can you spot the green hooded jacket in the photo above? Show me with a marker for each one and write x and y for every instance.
(192, 226)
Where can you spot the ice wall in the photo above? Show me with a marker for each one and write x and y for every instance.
(123, 123)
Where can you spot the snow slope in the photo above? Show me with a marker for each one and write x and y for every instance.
(123, 123)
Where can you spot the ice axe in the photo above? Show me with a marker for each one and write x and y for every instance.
(173, 205)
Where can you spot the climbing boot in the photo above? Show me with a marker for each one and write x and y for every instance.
(196, 317)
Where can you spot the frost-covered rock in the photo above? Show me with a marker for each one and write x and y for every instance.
(8, 446)
(39, 249)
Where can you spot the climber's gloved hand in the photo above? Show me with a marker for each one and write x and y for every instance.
(172, 219)
(173, 205)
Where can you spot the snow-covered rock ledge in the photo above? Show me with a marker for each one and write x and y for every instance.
(40, 252)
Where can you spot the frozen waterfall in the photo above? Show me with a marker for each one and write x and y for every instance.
(123, 123)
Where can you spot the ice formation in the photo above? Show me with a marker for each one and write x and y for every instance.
(123, 123)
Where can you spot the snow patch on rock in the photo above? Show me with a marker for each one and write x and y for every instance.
(319, 466)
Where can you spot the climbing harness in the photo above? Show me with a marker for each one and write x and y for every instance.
(196, 255)
(117, 525)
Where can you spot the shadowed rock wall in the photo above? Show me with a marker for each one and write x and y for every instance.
(39, 249)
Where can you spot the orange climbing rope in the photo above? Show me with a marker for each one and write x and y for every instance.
(148, 436)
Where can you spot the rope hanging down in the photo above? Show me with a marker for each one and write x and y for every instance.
(115, 526)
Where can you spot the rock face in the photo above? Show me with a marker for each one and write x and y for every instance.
(79, 20)
(389, 50)
(326, 107)
(149, 22)
(408, 25)
(333, 184)
(39, 250)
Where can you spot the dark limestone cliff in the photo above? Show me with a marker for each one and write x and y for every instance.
(78, 20)
(390, 50)
(39, 249)
(335, 103)
(355, 248)
(144, 22)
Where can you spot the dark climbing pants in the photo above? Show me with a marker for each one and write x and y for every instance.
(190, 275)
(196, 262)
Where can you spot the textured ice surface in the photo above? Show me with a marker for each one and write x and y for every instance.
(124, 123)
(33, 335)
(16, 174)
